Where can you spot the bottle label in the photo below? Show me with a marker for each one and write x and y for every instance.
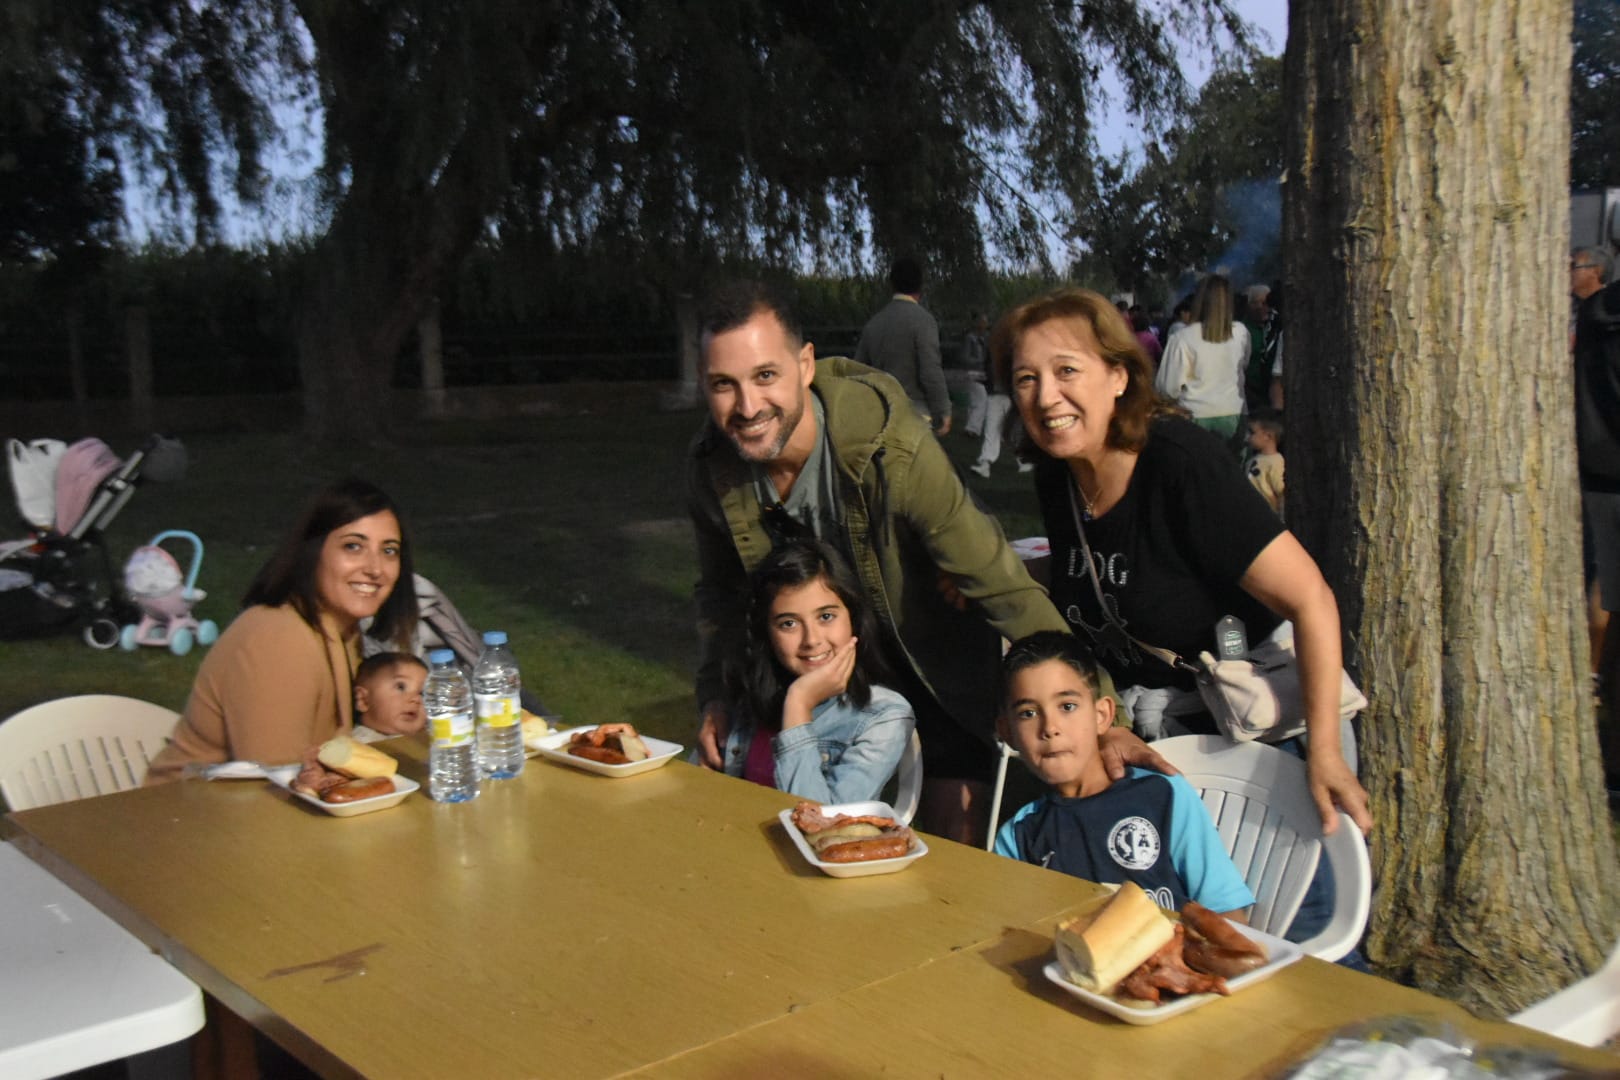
(498, 710)
(1231, 638)
(451, 729)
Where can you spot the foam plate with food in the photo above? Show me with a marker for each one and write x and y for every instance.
(554, 747)
(867, 868)
(403, 787)
(1281, 954)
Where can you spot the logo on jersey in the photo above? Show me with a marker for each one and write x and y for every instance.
(1133, 842)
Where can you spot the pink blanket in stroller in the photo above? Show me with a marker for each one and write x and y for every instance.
(83, 467)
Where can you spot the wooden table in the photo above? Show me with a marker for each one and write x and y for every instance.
(566, 924)
(988, 1011)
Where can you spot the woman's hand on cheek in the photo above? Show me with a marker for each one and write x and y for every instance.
(814, 687)
(1334, 787)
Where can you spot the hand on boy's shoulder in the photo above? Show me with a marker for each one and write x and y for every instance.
(1120, 748)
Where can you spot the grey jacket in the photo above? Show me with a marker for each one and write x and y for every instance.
(903, 340)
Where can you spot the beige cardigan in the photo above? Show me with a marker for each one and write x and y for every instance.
(269, 689)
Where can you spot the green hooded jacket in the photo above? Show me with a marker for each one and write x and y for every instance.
(908, 518)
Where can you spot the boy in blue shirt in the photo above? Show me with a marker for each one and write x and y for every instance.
(1147, 828)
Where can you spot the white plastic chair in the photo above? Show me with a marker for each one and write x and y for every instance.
(908, 779)
(73, 748)
(1587, 1012)
(1260, 801)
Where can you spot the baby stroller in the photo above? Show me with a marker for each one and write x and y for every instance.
(440, 626)
(153, 580)
(60, 579)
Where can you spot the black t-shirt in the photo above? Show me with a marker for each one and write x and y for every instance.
(1169, 555)
(1597, 389)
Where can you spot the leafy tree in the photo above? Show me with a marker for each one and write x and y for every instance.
(669, 135)
(1594, 95)
(1186, 201)
(1432, 473)
(57, 200)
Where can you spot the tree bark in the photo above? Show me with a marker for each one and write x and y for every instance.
(1432, 474)
(76, 376)
(138, 352)
(430, 350)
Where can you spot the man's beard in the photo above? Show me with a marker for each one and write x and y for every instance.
(787, 425)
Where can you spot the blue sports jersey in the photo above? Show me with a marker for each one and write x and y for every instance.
(1148, 828)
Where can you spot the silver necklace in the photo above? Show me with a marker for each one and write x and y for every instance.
(1089, 501)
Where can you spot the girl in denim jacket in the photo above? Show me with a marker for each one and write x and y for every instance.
(816, 722)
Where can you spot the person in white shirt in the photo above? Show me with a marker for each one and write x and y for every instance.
(1203, 365)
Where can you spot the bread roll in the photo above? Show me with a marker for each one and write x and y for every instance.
(355, 759)
(633, 747)
(1098, 949)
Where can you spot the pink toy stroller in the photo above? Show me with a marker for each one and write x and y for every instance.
(152, 579)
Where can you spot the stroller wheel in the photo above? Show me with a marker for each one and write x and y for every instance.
(127, 640)
(101, 634)
(180, 642)
(207, 632)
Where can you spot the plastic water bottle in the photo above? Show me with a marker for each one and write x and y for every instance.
(452, 759)
(496, 684)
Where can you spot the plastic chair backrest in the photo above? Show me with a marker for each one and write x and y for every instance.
(1587, 1012)
(1260, 801)
(73, 748)
(1007, 754)
(909, 780)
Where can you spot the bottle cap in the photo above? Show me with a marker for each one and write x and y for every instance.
(494, 637)
(441, 656)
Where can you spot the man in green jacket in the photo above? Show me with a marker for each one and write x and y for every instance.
(796, 446)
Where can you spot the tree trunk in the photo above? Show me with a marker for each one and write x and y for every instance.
(688, 335)
(370, 280)
(430, 351)
(1432, 473)
(345, 364)
(138, 351)
(76, 377)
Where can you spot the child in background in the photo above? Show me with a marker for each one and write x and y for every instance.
(1147, 828)
(813, 720)
(1265, 466)
(388, 693)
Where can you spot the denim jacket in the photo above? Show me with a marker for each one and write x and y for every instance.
(843, 754)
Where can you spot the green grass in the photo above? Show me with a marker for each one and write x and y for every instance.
(570, 533)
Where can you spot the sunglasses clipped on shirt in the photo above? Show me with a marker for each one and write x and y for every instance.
(783, 526)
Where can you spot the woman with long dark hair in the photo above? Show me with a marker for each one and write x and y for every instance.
(817, 721)
(280, 678)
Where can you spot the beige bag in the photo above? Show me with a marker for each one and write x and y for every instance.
(1260, 696)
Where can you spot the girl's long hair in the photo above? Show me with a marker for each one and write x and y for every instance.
(289, 575)
(1213, 308)
(759, 681)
